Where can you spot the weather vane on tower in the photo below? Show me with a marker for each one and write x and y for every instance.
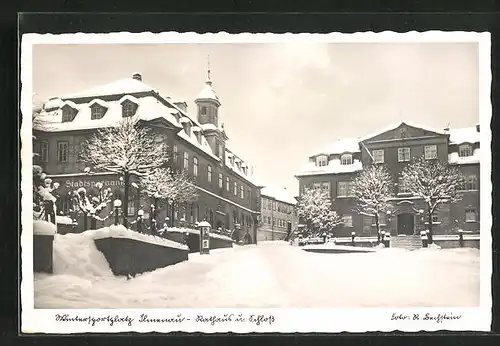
(208, 67)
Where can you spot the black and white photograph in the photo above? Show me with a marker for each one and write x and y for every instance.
(256, 182)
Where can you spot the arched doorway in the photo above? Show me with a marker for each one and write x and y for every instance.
(406, 223)
(247, 239)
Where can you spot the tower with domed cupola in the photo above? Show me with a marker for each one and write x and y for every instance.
(208, 104)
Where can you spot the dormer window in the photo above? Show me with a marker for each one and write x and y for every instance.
(465, 150)
(128, 109)
(68, 114)
(346, 159)
(321, 160)
(97, 112)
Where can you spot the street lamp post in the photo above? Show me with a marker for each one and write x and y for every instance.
(353, 235)
(117, 205)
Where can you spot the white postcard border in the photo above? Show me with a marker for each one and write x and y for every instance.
(273, 320)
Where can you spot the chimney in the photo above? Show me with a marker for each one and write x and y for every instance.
(137, 76)
(477, 127)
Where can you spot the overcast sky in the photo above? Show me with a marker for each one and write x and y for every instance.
(281, 102)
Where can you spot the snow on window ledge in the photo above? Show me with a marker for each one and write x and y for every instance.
(471, 221)
(433, 222)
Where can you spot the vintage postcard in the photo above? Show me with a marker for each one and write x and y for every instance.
(256, 182)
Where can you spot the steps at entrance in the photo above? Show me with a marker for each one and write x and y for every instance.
(408, 242)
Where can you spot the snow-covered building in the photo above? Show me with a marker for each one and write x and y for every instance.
(333, 168)
(229, 195)
(278, 214)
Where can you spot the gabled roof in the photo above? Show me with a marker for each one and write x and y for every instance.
(396, 125)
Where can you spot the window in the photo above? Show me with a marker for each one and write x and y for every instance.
(220, 180)
(269, 204)
(325, 186)
(274, 205)
(209, 173)
(195, 166)
(347, 220)
(465, 150)
(203, 110)
(435, 218)
(263, 202)
(470, 215)
(317, 186)
(378, 156)
(128, 109)
(346, 159)
(321, 160)
(403, 154)
(235, 189)
(274, 222)
(62, 151)
(382, 219)
(96, 112)
(344, 189)
(227, 183)
(402, 186)
(176, 154)
(471, 182)
(44, 151)
(186, 160)
(242, 192)
(430, 152)
(67, 114)
(131, 205)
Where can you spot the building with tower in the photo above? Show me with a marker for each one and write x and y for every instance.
(334, 167)
(228, 193)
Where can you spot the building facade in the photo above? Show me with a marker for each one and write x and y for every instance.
(228, 195)
(278, 214)
(334, 168)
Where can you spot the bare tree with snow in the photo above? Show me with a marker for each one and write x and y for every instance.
(314, 207)
(173, 187)
(127, 149)
(373, 189)
(435, 182)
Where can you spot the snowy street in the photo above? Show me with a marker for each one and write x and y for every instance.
(271, 274)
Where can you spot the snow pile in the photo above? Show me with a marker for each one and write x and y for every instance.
(41, 227)
(271, 274)
(121, 231)
(63, 220)
(197, 231)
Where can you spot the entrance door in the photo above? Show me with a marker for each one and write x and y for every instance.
(406, 223)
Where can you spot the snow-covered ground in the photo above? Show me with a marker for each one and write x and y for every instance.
(271, 274)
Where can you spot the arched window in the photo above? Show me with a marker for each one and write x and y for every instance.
(465, 150)
(321, 160)
(346, 159)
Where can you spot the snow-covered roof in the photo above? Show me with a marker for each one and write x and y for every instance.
(208, 126)
(71, 104)
(121, 86)
(185, 120)
(280, 194)
(204, 146)
(333, 167)
(396, 125)
(207, 93)
(464, 135)
(128, 98)
(348, 145)
(248, 175)
(453, 158)
(149, 108)
(53, 103)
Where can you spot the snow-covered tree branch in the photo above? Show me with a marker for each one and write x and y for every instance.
(314, 207)
(435, 182)
(127, 149)
(373, 188)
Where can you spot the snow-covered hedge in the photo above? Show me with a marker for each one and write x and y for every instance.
(41, 227)
(197, 231)
(121, 232)
(63, 220)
